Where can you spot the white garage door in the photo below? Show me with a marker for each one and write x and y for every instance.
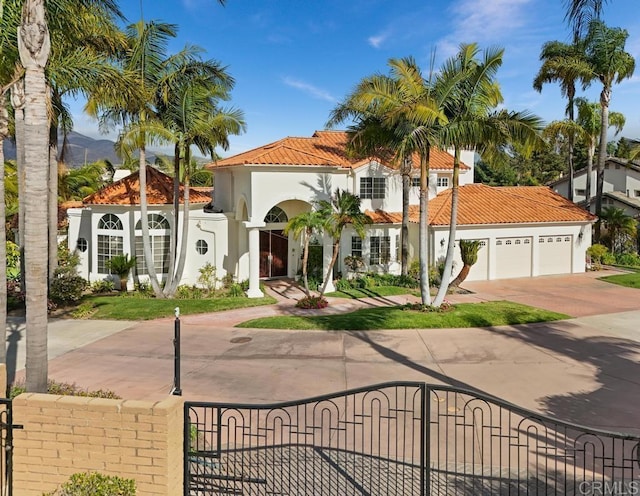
(513, 257)
(554, 254)
(480, 270)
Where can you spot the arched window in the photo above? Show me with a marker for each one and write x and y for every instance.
(160, 239)
(202, 247)
(109, 242)
(276, 214)
(82, 245)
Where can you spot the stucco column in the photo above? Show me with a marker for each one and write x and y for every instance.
(327, 253)
(254, 259)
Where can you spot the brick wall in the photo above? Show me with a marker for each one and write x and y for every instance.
(63, 435)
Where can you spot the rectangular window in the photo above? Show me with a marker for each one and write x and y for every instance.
(637, 192)
(415, 182)
(160, 252)
(356, 246)
(379, 250)
(581, 192)
(373, 187)
(443, 182)
(398, 254)
(108, 247)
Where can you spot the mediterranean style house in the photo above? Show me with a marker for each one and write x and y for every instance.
(621, 186)
(525, 231)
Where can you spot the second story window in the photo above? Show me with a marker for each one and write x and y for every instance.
(415, 182)
(372, 187)
(443, 182)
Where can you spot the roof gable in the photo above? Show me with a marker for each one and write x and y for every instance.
(324, 148)
(126, 191)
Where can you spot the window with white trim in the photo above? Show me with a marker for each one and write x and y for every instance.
(379, 250)
(82, 245)
(356, 246)
(415, 182)
(443, 182)
(159, 238)
(110, 240)
(373, 187)
(202, 247)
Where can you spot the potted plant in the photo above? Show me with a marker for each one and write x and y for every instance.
(121, 265)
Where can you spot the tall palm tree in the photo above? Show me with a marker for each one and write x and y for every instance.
(475, 124)
(409, 106)
(580, 13)
(565, 64)
(605, 49)
(342, 210)
(620, 227)
(34, 47)
(305, 225)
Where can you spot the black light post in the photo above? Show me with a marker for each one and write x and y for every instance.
(176, 391)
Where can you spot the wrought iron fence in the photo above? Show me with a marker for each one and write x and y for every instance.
(401, 438)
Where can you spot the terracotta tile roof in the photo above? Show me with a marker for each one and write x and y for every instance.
(126, 191)
(481, 204)
(322, 149)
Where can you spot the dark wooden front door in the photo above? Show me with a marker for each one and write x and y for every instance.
(274, 247)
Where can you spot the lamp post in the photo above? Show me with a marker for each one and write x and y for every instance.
(176, 391)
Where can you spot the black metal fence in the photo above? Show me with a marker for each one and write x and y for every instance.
(401, 438)
(6, 447)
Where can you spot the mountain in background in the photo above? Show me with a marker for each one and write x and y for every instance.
(81, 150)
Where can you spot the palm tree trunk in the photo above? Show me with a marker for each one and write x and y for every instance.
(425, 296)
(305, 263)
(4, 133)
(334, 257)
(34, 53)
(464, 272)
(173, 234)
(571, 113)
(144, 222)
(404, 229)
(18, 102)
(448, 263)
(591, 151)
(177, 276)
(605, 99)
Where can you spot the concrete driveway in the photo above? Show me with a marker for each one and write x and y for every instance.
(585, 370)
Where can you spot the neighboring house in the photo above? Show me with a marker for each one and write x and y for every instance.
(526, 231)
(621, 186)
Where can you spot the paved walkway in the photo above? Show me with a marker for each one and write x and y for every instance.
(586, 369)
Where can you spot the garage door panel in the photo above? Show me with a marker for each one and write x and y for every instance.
(513, 257)
(555, 254)
(480, 270)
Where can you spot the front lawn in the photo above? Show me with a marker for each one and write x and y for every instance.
(487, 314)
(132, 308)
(631, 280)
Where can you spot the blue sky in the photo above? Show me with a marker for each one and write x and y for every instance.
(293, 60)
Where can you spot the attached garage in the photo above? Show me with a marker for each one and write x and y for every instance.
(555, 254)
(513, 257)
(480, 270)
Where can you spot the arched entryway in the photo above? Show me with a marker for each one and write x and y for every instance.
(274, 246)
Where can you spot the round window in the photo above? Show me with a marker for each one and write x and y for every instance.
(202, 247)
(82, 245)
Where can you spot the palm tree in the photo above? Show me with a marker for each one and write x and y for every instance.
(474, 123)
(4, 133)
(305, 225)
(564, 64)
(605, 49)
(469, 253)
(342, 210)
(580, 13)
(34, 47)
(410, 108)
(585, 129)
(620, 228)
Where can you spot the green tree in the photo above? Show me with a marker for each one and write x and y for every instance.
(342, 210)
(580, 13)
(566, 65)
(469, 253)
(621, 229)
(305, 225)
(605, 49)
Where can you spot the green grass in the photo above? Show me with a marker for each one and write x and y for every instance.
(631, 280)
(376, 291)
(132, 308)
(487, 314)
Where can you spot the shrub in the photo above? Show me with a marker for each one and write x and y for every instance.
(343, 284)
(67, 287)
(65, 389)
(235, 290)
(15, 295)
(185, 292)
(628, 259)
(207, 277)
(600, 255)
(96, 484)
(312, 302)
(13, 261)
(143, 290)
(102, 286)
(354, 263)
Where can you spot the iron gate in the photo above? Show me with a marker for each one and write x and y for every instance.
(400, 438)
(6, 447)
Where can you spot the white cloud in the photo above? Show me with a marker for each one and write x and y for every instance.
(309, 89)
(376, 41)
(488, 20)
